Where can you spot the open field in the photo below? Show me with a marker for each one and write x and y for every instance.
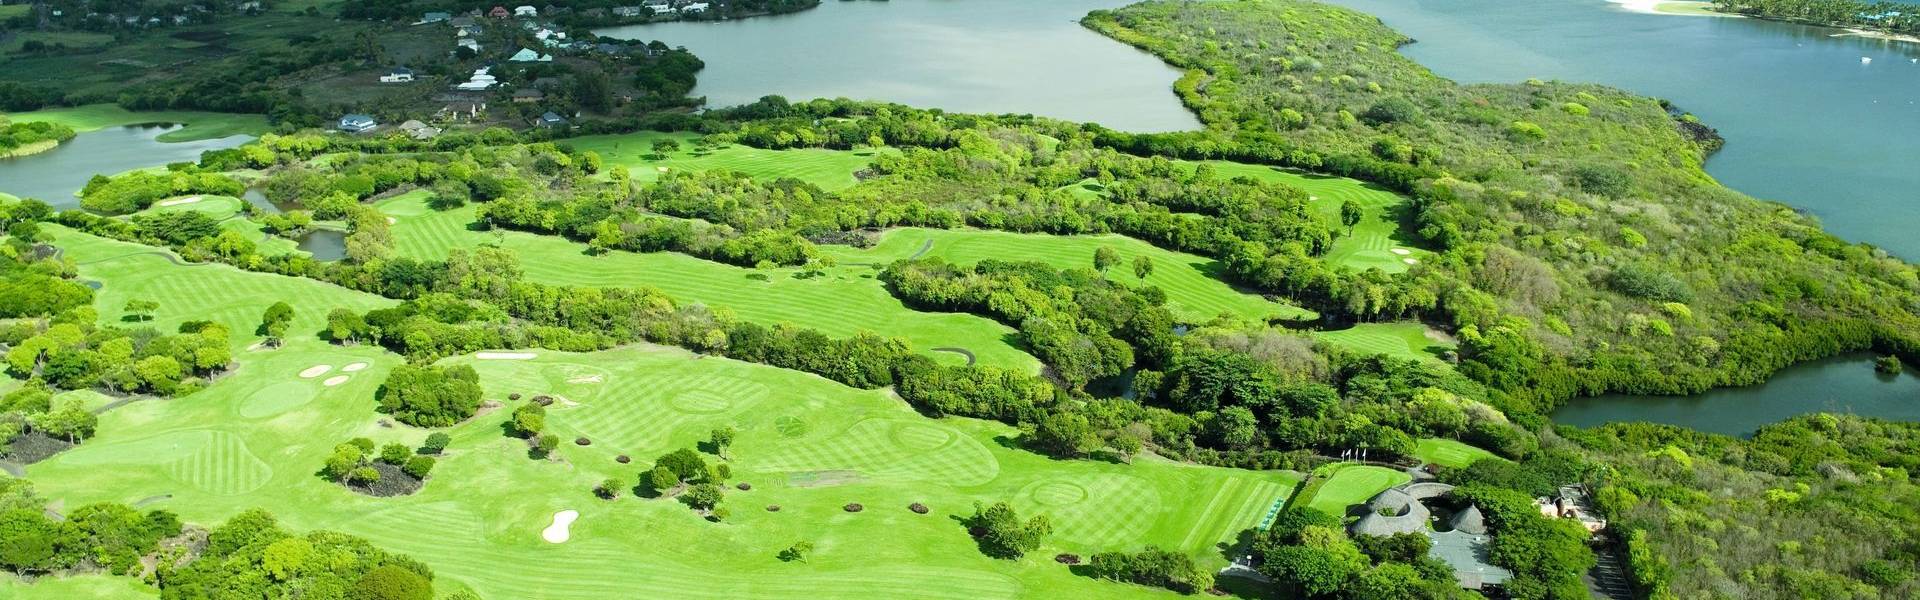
(255, 438)
(1194, 290)
(1448, 453)
(69, 587)
(198, 125)
(1404, 339)
(829, 169)
(1352, 484)
(846, 300)
(1373, 241)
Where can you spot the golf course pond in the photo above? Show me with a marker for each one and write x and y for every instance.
(1842, 384)
(56, 175)
(991, 56)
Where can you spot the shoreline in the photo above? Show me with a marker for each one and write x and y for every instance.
(1877, 35)
(1680, 8)
(31, 149)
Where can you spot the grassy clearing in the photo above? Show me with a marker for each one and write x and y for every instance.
(8, 11)
(256, 436)
(198, 125)
(1373, 241)
(1193, 287)
(1452, 454)
(67, 587)
(1400, 340)
(829, 169)
(846, 300)
(1353, 484)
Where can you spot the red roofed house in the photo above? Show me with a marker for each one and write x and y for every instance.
(499, 12)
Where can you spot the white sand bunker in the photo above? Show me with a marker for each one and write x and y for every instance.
(1401, 251)
(353, 367)
(179, 201)
(662, 169)
(1411, 261)
(391, 220)
(315, 371)
(586, 379)
(559, 532)
(504, 355)
(335, 380)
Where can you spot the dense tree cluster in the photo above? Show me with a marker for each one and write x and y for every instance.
(1308, 553)
(14, 136)
(1153, 567)
(108, 536)
(248, 556)
(430, 396)
(71, 352)
(1001, 532)
(138, 190)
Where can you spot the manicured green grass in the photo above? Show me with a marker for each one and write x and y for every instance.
(8, 11)
(92, 587)
(1193, 287)
(1371, 244)
(1448, 453)
(1400, 339)
(255, 438)
(1353, 484)
(198, 125)
(844, 301)
(829, 169)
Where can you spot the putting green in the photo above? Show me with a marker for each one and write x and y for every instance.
(1449, 453)
(1353, 484)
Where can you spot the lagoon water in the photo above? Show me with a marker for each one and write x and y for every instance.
(992, 56)
(56, 175)
(1807, 123)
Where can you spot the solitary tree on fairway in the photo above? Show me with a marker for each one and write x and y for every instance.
(721, 438)
(275, 322)
(142, 310)
(798, 551)
(659, 480)
(1105, 258)
(1002, 534)
(1142, 266)
(1350, 214)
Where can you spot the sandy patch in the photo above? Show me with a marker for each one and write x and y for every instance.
(1879, 35)
(335, 380)
(178, 201)
(315, 371)
(504, 355)
(586, 379)
(1411, 261)
(1401, 251)
(1671, 8)
(355, 367)
(662, 169)
(391, 220)
(558, 532)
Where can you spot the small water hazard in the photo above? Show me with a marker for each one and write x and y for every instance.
(1842, 384)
